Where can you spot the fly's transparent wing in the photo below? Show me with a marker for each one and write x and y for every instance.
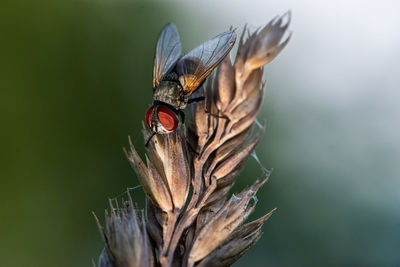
(194, 67)
(168, 51)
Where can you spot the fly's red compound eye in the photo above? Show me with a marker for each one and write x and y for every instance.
(167, 118)
(148, 115)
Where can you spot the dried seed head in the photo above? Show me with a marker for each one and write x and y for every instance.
(153, 183)
(236, 160)
(239, 243)
(166, 178)
(154, 224)
(217, 230)
(206, 227)
(171, 157)
(263, 45)
(125, 237)
(226, 84)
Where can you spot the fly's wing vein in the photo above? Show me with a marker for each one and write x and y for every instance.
(194, 67)
(168, 51)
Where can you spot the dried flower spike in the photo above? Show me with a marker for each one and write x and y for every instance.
(205, 227)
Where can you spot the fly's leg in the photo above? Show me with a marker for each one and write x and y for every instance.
(196, 99)
(201, 98)
(218, 116)
(148, 140)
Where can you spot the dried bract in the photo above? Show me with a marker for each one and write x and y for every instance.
(205, 227)
(127, 243)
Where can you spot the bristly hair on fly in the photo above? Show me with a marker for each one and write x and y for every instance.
(205, 227)
(176, 77)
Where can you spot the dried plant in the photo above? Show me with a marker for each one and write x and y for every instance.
(189, 219)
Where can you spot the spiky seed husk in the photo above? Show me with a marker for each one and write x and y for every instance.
(152, 182)
(127, 243)
(204, 228)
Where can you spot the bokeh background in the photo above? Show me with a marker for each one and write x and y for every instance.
(75, 81)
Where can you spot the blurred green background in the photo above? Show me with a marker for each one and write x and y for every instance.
(75, 81)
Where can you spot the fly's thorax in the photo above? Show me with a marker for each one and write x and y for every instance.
(170, 92)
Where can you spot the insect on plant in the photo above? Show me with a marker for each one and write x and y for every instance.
(176, 78)
(190, 218)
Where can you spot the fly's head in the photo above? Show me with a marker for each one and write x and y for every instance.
(161, 119)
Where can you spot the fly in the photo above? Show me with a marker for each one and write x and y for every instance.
(176, 78)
